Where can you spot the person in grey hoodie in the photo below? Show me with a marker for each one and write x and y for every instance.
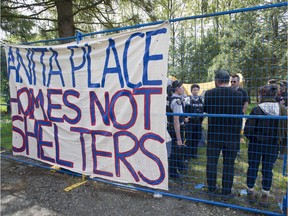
(264, 135)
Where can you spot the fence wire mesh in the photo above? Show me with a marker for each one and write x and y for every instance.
(230, 156)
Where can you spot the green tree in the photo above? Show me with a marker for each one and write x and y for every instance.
(251, 43)
(59, 18)
(4, 85)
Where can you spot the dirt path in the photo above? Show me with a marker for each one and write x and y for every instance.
(30, 190)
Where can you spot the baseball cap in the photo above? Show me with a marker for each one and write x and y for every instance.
(222, 75)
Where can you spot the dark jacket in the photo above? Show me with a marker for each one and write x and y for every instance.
(195, 105)
(263, 130)
(223, 100)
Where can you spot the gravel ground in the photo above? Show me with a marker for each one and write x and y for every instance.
(30, 190)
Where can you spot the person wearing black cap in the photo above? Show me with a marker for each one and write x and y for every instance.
(223, 132)
(264, 136)
(176, 160)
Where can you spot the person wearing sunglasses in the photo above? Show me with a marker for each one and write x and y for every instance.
(235, 84)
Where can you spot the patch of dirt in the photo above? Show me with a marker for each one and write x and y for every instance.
(31, 190)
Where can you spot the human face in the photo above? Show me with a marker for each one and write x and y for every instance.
(195, 91)
(234, 82)
(180, 90)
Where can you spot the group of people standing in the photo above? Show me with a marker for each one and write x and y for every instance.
(182, 153)
(229, 103)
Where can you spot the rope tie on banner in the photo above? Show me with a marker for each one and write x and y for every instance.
(55, 168)
(79, 36)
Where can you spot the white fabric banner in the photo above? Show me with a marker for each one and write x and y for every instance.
(96, 107)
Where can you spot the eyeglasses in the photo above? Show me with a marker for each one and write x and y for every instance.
(233, 81)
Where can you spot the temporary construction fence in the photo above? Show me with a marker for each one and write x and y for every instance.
(249, 41)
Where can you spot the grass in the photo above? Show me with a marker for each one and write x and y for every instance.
(6, 132)
(196, 176)
(6, 126)
(250, 107)
(3, 106)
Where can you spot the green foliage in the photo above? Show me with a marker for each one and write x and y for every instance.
(253, 43)
(6, 132)
(3, 106)
(20, 30)
(4, 85)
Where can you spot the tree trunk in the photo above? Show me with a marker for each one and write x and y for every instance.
(66, 27)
